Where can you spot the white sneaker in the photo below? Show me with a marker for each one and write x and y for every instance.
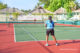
(57, 44)
(47, 44)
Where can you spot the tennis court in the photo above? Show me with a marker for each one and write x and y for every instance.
(30, 38)
(37, 32)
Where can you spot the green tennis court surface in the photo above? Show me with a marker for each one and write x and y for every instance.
(37, 32)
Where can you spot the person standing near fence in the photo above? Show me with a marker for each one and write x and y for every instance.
(34, 20)
(49, 24)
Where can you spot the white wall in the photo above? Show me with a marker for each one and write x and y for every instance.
(2, 17)
(60, 17)
(32, 17)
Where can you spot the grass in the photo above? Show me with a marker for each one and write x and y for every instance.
(37, 32)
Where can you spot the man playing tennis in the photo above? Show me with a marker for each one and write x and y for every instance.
(50, 30)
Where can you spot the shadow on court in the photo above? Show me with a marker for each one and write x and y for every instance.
(70, 42)
(67, 42)
(3, 30)
(45, 47)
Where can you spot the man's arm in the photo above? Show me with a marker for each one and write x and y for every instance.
(53, 24)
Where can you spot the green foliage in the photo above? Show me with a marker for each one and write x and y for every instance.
(2, 6)
(69, 15)
(15, 14)
(45, 2)
(26, 11)
(53, 5)
(69, 6)
(38, 4)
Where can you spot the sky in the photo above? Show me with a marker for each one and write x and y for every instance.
(22, 4)
(78, 1)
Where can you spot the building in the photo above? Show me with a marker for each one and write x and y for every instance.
(8, 11)
(60, 14)
(76, 14)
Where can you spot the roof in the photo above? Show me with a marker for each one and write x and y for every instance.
(77, 10)
(60, 11)
(10, 10)
(40, 10)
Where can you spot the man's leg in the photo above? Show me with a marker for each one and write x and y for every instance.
(55, 40)
(47, 36)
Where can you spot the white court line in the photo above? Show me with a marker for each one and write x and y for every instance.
(14, 34)
(27, 33)
(30, 34)
(49, 40)
(31, 41)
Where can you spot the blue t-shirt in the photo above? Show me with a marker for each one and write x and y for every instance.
(50, 25)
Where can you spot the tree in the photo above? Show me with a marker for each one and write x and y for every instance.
(15, 14)
(26, 11)
(38, 4)
(45, 2)
(70, 6)
(53, 5)
(2, 6)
